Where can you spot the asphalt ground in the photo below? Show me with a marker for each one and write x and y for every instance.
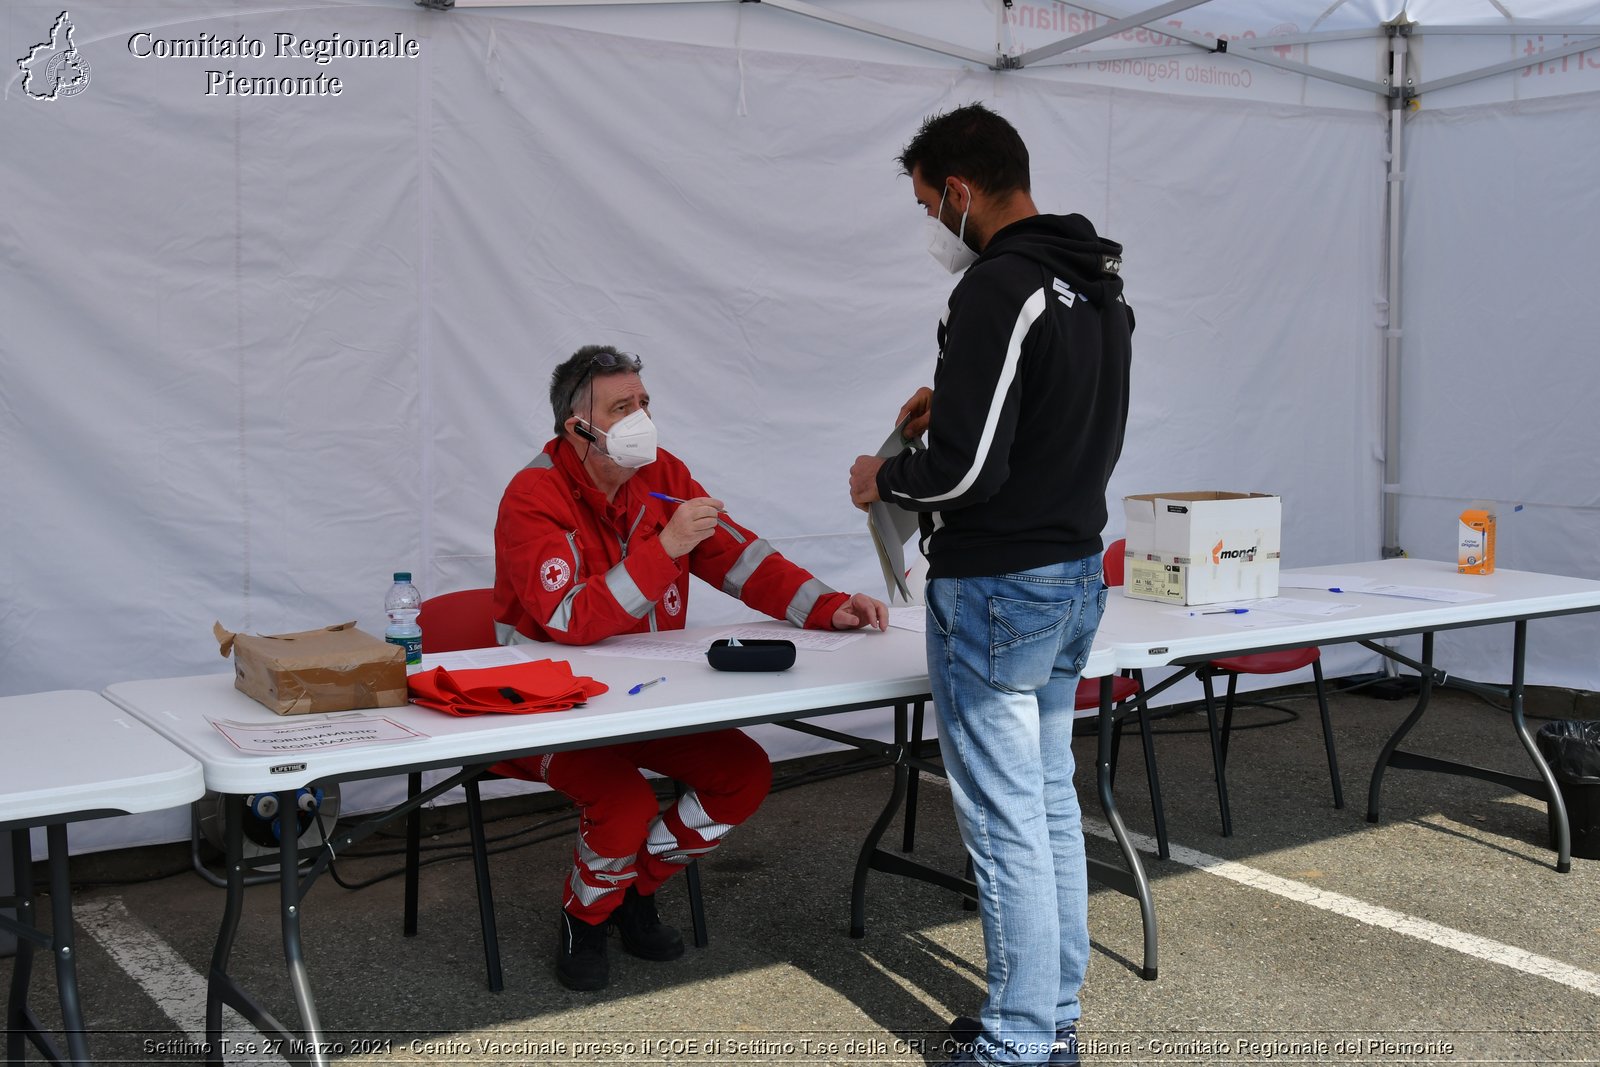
(1442, 934)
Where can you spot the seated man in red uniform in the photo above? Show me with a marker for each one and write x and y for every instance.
(585, 549)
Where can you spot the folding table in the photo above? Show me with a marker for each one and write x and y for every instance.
(874, 670)
(1148, 634)
(71, 755)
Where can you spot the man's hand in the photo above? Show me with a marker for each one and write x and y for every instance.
(693, 522)
(864, 481)
(861, 610)
(918, 407)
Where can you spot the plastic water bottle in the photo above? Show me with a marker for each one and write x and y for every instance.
(403, 605)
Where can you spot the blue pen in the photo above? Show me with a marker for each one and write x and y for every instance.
(1221, 611)
(1334, 589)
(675, 500)
(642, 686)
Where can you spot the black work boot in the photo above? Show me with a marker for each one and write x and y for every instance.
(643, 933)
(581, 954)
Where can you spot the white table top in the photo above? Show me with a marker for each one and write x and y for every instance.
(1147, 634)
(878, 668)
(72, 754)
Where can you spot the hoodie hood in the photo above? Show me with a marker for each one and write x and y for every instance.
(1069, 248)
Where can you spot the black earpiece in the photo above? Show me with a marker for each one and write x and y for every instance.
(584, 432)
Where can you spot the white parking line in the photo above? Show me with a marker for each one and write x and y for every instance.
(178, 990)
(1371, 914)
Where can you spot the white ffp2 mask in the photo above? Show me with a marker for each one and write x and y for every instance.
(948, 249)
(631, 441)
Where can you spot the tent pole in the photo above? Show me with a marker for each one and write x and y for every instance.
(1399, 99)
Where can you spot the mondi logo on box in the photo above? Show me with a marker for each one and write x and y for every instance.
(1246, 555)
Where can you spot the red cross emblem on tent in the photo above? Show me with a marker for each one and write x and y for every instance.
(554, 573)
(671, 600)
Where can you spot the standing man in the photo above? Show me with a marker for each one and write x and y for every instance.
(597, 537)
(1025, 422)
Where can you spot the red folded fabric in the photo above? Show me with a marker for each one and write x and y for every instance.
(519, 689)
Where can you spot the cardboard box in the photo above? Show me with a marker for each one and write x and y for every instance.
(337, 668)
(1202, 548)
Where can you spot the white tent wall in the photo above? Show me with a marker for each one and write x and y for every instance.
(1500, 372)
(255, 353)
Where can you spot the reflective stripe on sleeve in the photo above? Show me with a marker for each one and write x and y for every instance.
(627, 591)
(561, 618)
(541, 462)
(752, 557)
(507, 634)
(805, 598)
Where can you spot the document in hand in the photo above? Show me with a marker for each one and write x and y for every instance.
(892, 525)
(515, 689)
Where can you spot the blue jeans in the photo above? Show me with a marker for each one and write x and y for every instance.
(1004, 654)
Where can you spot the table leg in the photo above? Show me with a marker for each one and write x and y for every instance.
(897, 795)
(1219, 753)
(1133, 881)
(1558, 807)
(908, 832)
(313, 1045)
(61, 941)
(1542, 787)
(218, 984)
(1387, 756)
(21, 1026)
(413, 856)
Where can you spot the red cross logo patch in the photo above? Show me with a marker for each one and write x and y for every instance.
(671, 600)
(554, 573)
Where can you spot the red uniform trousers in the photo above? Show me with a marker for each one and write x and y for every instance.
(624, 838)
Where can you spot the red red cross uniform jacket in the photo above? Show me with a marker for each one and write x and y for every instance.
(574, 568)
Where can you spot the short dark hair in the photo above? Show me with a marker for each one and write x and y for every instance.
(569, 382)
(974, 143)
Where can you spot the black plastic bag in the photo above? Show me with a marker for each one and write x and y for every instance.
(1572, 748)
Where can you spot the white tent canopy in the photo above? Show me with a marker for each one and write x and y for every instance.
(256, 352)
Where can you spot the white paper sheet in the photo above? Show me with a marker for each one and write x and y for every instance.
(1237, 616)
(813, 640)
(473, 659)
(909, 617)
(647, 646)
(1425, 592)
(269, 739)
(1295, 606)
(1334, 583)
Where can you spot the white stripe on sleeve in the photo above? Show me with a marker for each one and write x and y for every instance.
(1032, 308)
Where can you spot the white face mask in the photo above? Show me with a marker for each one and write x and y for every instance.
(631, 441)
(948, 248)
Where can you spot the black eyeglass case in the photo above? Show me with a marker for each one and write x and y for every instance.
(751, 655)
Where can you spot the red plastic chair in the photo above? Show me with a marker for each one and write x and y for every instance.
(1280, 662)
(452, 622)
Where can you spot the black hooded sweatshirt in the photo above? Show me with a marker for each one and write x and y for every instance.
(1030, 400)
